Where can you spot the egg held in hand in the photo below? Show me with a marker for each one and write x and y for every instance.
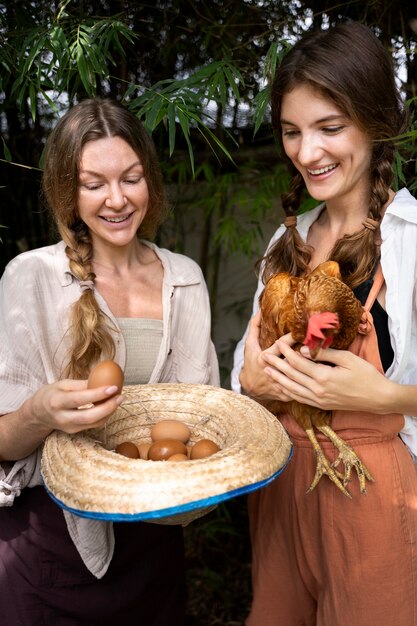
(106, 373)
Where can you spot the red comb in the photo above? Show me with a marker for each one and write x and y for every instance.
(316, 324)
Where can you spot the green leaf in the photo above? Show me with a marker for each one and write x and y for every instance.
(35, 43)
(152, 117)
(232, 82)
(58, 38)
(261, 103)
(209, 136)
(82, 67)
(172, 126)
(86, 76)
(6, 151)
(222, 89)
(185, 127)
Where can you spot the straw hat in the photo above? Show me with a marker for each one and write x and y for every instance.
(85, 476)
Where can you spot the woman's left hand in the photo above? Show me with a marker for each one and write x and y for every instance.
(352, 384)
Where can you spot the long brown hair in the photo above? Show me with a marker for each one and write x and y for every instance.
(350, 66)
(90, 120)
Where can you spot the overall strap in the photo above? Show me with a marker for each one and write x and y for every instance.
(375, 289)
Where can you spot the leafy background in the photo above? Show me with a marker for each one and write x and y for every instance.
(197, 73)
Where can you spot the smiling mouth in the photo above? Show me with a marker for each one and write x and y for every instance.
(322, 170)
(116, 220)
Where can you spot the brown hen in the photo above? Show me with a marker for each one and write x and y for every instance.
(318, 310)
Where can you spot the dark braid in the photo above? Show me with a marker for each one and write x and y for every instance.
(367, 94)
(357, 253)
(290, 253)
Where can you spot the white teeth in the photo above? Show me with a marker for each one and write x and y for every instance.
(115, 220)
(322, 170)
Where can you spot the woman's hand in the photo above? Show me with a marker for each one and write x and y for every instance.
(255, 382)
(68, 405)
(351, 384)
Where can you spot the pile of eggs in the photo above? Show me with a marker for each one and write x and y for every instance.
(170, 438)
(170, 442)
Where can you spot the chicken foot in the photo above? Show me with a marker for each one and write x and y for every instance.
(324, 466)
(348, 457)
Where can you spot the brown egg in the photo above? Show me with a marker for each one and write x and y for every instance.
(106, 373)
(162, 449)
(178, 457)
(128, 448)
(143, 450)
(203, 448)
(170, 429)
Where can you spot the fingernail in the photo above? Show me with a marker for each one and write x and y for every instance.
(111, 390)
(119, 400)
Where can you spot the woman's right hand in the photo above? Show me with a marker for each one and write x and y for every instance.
(253, 379)
(68, 405)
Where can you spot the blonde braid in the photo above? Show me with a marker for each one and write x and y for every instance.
(89, 332)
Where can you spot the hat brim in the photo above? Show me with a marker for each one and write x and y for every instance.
(83, 474)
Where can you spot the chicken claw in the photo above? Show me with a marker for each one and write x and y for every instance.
(324, 467)
(349, 458)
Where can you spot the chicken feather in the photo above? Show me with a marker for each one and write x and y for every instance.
(318, 310)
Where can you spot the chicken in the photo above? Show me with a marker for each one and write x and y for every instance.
(318, 310)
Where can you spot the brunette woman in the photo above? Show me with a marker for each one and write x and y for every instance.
(320, 558)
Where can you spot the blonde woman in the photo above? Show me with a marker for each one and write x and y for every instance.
(103, 291)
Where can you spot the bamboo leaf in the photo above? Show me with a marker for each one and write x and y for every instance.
(232, 82)
(152, 117)
(49, 100)
(185, 127)
(98, 63)
(33, 53)
(261, 102)
(6, 151)
(131, 88)
(212, 86)
(87, 77)
(222, 89)
(172, 126)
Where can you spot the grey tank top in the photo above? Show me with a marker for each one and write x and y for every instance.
(143, 340)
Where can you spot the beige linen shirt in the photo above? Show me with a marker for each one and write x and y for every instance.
(36, 293)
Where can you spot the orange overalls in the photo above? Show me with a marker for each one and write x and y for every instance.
(320, 559)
